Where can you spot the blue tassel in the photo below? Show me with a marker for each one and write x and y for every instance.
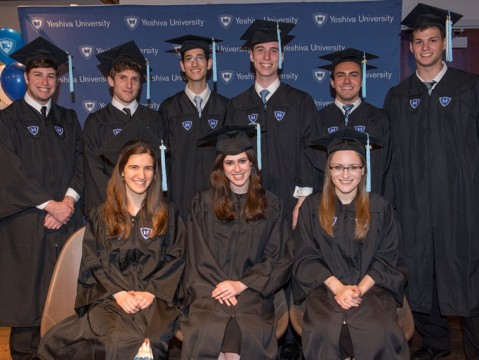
(280, 60)
(449, 37)
(148, 97)
(363, 80)
(164, 182)
(258, 144)
(213, 49)
(70, 72)
(368, 165)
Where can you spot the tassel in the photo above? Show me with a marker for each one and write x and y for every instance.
(363, 80)
(164, 182)
(368, 165)
(215, 72)
(448, 37)
(258, 144)
(70, 72)
(280, 60)
(148, 97)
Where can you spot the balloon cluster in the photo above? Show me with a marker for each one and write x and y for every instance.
(12, 81)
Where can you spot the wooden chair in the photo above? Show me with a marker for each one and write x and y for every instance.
(61, 295)
(405, 319)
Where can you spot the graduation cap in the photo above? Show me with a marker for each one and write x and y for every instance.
(424, 15)
(42, 49)
(189, 42)
(135, 130)
(234, 139)
(350, 139)
(263, 31)
(350, 55)
(128, 51)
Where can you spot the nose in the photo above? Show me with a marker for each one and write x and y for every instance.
(267, 55)
(237, 167)
(141, 173)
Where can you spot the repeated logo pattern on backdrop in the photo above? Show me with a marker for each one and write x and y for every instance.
(320, 28)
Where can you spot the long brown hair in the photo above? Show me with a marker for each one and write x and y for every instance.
(116, 213)
(256, 204)
(327, 207)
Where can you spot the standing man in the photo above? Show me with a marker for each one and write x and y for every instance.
(286, 113)
(349, 110)
(126, 68)
(435, 141)
(41, 149)
(192, 114)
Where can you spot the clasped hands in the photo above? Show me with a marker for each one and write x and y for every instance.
(348, 296)
(133, 301)
(226, 292)
(59, 212)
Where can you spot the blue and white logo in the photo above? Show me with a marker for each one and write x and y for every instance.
(445, 100)
(187, 124)
(225, 20)
(37, 23)
(86, 51)
(360, 128)
(7, 45)
(227, 76)
(213, 123)
(279, 115)
(33, 129)
(89, 105)
(332, 129)
(145, 232)
(320, 19)
(132, 22)
(319, 75)
(59, 130)
(116, 131)
(414, 103)
(252, 118)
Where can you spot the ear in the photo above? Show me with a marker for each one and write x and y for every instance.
(210, 63)
(111, 82)
(251, 56)
(410, 47)
(182, 66)
(25, 76)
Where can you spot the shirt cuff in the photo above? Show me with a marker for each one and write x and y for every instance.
(42, 206)
(73, 194)
(302, 191)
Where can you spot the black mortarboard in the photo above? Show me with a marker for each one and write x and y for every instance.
(135, 131)
(263, 31)
(128, 51)
(40, 49)
(350, 139)
(188, 42)
(230, 139)
(426, 15)
(353, 55)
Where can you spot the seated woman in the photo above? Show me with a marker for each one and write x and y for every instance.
(347, 266)
(130, 269)
(239, 253)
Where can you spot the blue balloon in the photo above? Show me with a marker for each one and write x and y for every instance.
(13, 81)
(10, 41)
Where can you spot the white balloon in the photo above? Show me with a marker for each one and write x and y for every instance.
(4, 99)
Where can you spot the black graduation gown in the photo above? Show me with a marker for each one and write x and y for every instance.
(100, 127)
(102, 329)
(288, 121)
(259, 254)
(39, 162)
(435, 141)
(190, 165)
(373, 325)
(366, 119)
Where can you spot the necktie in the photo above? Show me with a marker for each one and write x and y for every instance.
(264, 94)
(347, 112)
(128, 112)
(44, 114)
(198, 101)
(429, 86)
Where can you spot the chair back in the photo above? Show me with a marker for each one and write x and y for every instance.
(60, 302)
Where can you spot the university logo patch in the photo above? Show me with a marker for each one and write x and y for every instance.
(6, 45)
(279, 115)
(320, 19)
(89, 105)
(37, 23)
(414, 103)
(319, 75)
(226, 76)
(132, 22)
(360, 128)
(33, 130)
(225, 20)
(116, 131)
(59, 130)
(145, 232)
(445, 100)
(252, 118)
(213, 123)
(187, 124)
(86, 51)
(332, 129)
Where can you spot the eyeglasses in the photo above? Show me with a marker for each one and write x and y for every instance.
(197, 58)
(338, 169)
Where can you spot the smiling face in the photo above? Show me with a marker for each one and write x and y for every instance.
(237, 169)
(346, 81)
(41, 84)
(427, 47)
(265, 59)
(195, 64)
(138, 174)
(346, 171)
(126, 84)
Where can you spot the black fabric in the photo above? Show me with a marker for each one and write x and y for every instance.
(232, 338)
(23, 342)
(190, 165)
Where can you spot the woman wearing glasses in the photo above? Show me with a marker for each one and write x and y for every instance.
(347, 266)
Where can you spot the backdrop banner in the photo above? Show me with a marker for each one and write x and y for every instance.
(321, 28)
